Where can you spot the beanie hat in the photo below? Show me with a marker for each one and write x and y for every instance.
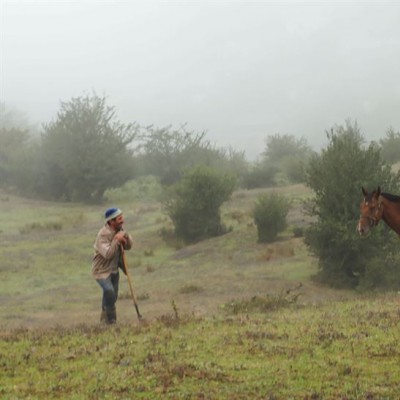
(112, 213)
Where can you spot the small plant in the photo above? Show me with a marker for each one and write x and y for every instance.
(38, 226)
(270, 302)
(148, 252)
(171, 320)
(150, 268)
(298, 231)
(75, 220)
(169, 237)
(270, 216)
(190, 289)
(143, 296)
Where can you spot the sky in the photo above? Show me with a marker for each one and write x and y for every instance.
(238, 70)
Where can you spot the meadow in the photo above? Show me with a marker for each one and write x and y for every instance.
(226, 318)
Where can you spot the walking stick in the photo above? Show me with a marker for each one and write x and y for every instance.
(125, 266)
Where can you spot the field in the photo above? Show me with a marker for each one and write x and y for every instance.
(227, 318)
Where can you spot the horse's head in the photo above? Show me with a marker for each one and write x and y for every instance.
(371, 210)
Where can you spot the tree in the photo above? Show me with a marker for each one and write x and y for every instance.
(391, 146)
(288, 155)
(86, 151)
(168, 153)
(11, 118)
(258, 175)
(17, 150)
(336, 176)
(194, 203)
(12, 144)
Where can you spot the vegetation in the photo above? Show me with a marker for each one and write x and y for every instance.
(247, 320)
(336, 176)
(259, 175)
(85, 151)
(283, 161)
(270, 216)
(224, 318)
(345, 351)
(390, 145)
(13, 141)
(194, 204)
(288, 155)
(168, 154)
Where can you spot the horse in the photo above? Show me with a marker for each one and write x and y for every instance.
(376, 206)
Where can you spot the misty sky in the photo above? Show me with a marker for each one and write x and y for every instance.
(240, 70)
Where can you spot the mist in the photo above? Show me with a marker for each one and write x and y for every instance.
(238, 70)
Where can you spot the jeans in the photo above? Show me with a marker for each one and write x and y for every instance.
(110, 291)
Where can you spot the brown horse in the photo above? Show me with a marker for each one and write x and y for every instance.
(376, 206)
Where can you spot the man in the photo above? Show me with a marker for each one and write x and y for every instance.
(107, 260)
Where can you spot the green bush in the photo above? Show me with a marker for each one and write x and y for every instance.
(143, 188)
(270, 216)
(390, 146)
(259, 175)
(336, 176)
(193, 204)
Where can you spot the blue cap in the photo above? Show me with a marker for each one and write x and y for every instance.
(112, 213)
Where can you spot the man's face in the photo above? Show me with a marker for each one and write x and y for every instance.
(117, 223)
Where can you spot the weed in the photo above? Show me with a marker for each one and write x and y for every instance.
(148, 252)
(171, 320)
(150, 268)
(298, 231)
(238, 216)
(39, 226)
(186, 289)
(169, 237)
(75, 219)
(276, 250)
(270, 302)
(143, 296)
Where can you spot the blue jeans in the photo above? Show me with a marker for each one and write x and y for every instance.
(110, 291)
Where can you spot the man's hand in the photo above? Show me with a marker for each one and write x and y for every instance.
(120, 237)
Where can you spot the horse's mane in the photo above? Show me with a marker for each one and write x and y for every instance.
(391, 197)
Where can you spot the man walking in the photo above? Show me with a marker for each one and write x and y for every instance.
(107, 260)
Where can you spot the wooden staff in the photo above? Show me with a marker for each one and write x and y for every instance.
(125, 268)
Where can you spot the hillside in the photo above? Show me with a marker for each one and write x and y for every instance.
(46, 251)
(227, 318)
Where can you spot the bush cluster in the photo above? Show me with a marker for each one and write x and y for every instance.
(270, 214)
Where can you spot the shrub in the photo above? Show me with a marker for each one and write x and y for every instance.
(260, 175)
(336, 176)
(298, 231)
(270, 302)
(39, 226)
(270, 216)
(194, 204)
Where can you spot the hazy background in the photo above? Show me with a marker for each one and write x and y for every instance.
(239, 70)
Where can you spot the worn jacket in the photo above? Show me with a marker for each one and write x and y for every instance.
(107, 252)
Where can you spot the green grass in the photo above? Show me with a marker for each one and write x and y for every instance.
(347, 351)
(55, 264)
(227, 318)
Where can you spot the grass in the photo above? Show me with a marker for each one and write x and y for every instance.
(46, 273)
(316, 352)
(227, 318)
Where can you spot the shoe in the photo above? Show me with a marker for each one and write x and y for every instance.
(111, 316)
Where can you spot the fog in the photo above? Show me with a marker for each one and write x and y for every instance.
(239, 70)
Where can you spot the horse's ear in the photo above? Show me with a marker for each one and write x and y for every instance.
(378, 192)
(364, 191)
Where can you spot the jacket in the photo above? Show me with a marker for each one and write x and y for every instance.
(107, 253)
